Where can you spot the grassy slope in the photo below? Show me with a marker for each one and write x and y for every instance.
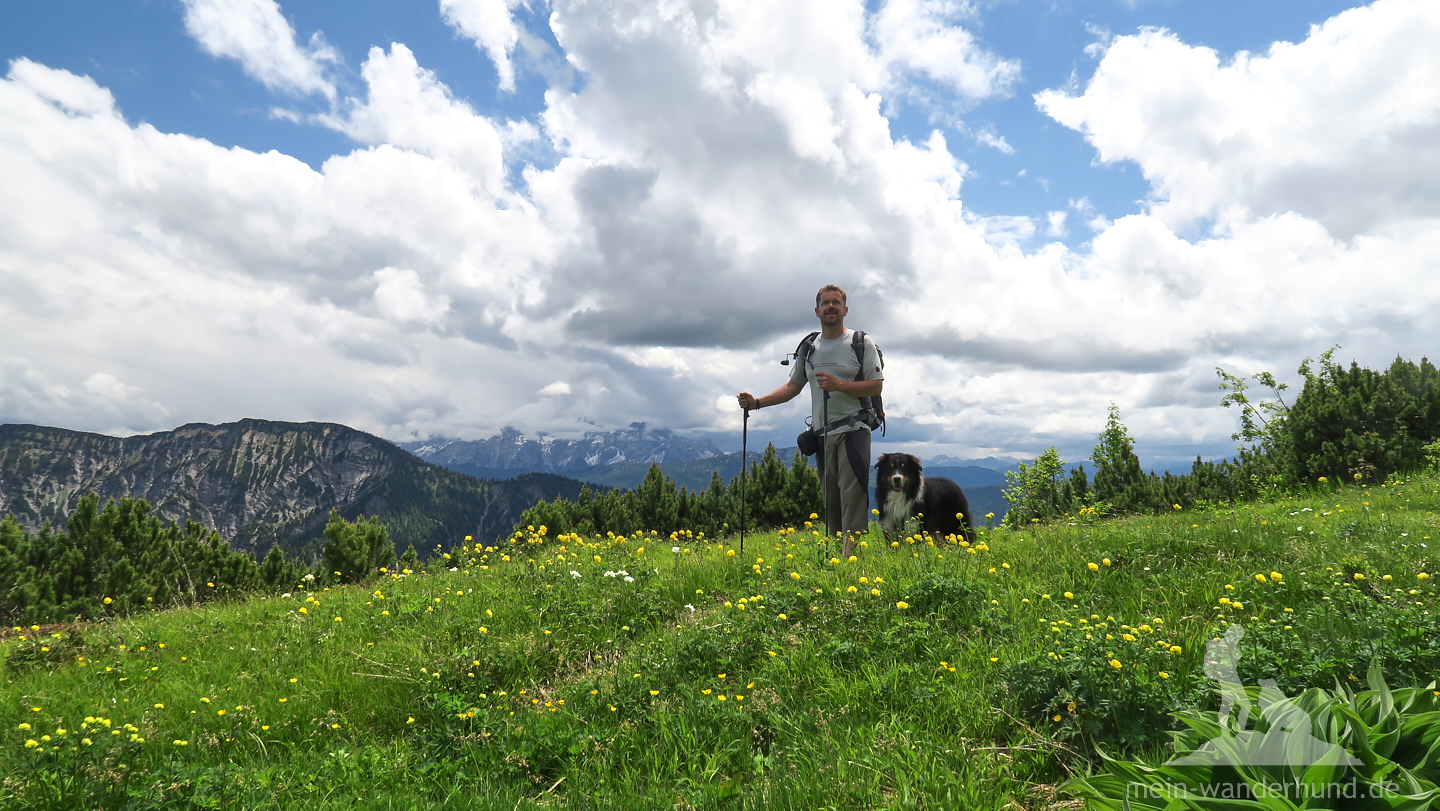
(846, 702)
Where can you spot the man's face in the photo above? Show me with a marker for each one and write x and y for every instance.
(832, 309)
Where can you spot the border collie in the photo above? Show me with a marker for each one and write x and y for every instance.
(902, 492)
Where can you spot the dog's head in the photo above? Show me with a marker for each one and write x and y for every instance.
(897, 472)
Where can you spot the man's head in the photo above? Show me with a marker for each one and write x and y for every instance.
(830, 305)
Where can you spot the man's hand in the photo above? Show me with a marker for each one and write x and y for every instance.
(748, 401)
(828, 382)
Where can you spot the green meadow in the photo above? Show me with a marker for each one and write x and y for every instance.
(683, 672)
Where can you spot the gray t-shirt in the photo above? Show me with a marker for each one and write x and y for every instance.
(836, 356)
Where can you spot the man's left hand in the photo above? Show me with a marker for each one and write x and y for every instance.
(828, 382)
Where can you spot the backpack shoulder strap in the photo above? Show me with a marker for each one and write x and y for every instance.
(857, 342)
(804, 348)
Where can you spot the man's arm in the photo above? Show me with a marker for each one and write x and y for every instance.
(854, 388)
(784, 394)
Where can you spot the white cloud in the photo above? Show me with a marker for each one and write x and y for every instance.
(1056, 227)
(718, 164)
(406, 106)
(925, 37)
(491, 25)
(1338, 128)
(257, 35)
(400, 296)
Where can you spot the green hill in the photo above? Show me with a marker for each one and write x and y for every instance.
(598, 673)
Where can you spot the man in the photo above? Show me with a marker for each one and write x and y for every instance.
(832, 370)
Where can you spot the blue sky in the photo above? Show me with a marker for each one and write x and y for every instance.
(1039, 207)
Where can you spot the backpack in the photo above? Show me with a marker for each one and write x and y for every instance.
(872, 409)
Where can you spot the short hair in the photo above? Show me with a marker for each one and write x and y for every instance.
(831, 288)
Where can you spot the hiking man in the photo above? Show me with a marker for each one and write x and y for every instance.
(829, 362)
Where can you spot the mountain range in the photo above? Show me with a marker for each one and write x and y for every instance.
(690, 463)
(261, 482)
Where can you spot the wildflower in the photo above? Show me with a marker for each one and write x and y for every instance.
(1057, 717)
(1176, 649)
(1115, 663)
(1359, 576)
(1069, 596)
(1276, 576)
(108, 601)
(1259, 578)
(852, 589)
(654, 692)
(874, 592)
(1422, 576)
(994, 658)
(1164, 675)
(1105, 561)
(1094, 567)
(31, 743)
(902, 605)
(484, 630)
(794, 575)
(772, 653)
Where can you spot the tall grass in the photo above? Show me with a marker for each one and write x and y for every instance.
(664, 672)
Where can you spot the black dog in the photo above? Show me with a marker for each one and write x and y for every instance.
(902, 492)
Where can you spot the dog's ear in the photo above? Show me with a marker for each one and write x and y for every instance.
(881, 460)
(916, 460)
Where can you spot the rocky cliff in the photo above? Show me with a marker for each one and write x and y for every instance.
(258, 481)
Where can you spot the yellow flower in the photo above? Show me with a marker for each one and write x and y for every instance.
(654, 692)
(1359, 576)
(852, 589)
(1069, 596)
(1057, 717)
(1115, 663)
(794, 575)
(484, 630)
(1176, 649)
(875, 592)
(1259, 578)
(1276, 576)
(1094, 567)
(108, 601)
(902, 605)
(1164, 675)
(1106, 561)
(23, 727)
(31, 743)
(1422, 576)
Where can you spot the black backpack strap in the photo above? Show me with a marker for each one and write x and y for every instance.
(874, 405)
(805, 347)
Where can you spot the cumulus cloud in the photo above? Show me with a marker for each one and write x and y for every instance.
(925, 37)
(720, 161)
(256, 34)
(491, 25)
(1339, 128)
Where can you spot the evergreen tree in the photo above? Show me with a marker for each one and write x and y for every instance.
(354, 551)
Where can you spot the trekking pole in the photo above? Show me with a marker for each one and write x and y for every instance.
(825, 465)
(744, 455)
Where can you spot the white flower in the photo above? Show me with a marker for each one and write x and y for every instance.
(674, 549)
(309, 577)
(286, 594)
(691, 607)
(454, 568)
(609, 574)
(629, 579)
(623, 572)
(574, 573)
